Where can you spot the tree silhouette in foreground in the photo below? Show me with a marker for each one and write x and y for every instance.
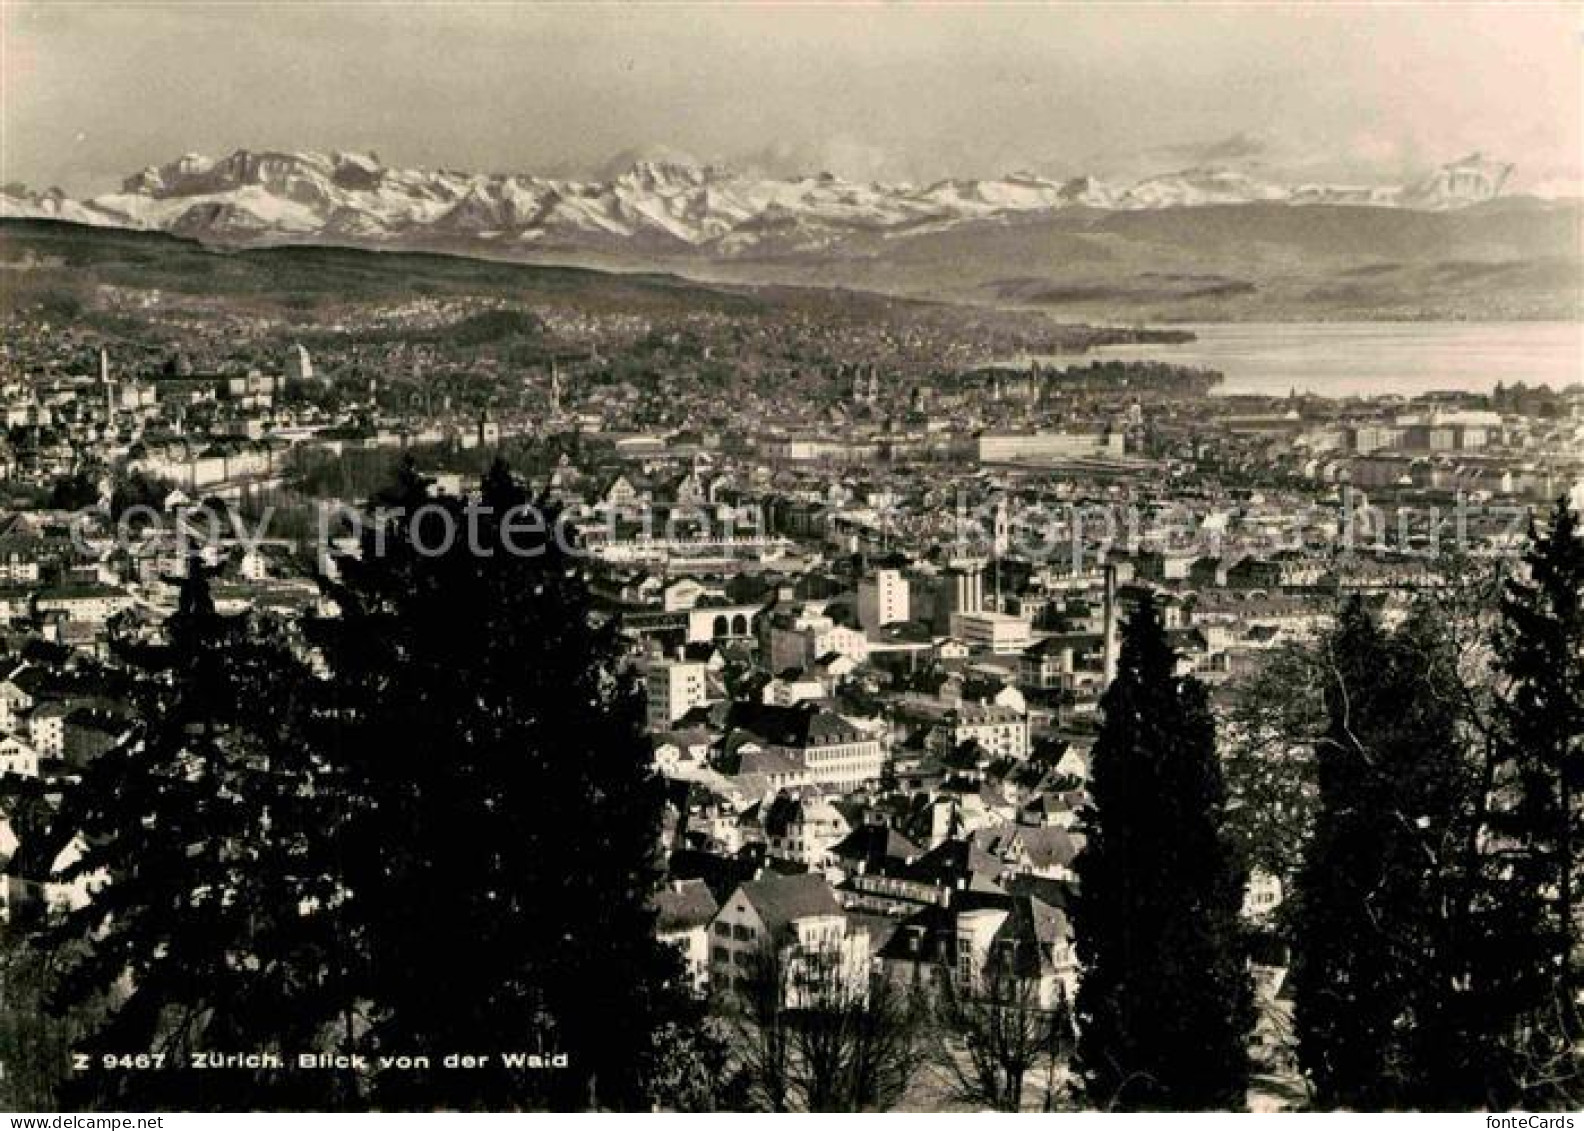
(1526, 972)
(990, 1036)
(1377, 937)
(809, 1030)
(504, 849)
(215, 930)
(1165, 1005)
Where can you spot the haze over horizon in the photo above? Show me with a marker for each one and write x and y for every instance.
(92, 93)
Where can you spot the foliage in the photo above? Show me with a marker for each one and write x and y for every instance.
(1376, 953)
(136, 490)
(990, 1035)
(1165, 1005)
(504, 848)
(811, 1033)
(75, 491)
(215, 927)
(1271, 726)
(1524, 902)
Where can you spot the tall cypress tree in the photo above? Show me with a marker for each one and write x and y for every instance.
(1376, 951)
(505, 852)
(1165, 1006)
(216, 931)
(1528, 973)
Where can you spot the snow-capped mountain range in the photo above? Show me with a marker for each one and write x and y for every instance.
(654, 206)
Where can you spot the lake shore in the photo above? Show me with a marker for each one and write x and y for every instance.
(1342, 359)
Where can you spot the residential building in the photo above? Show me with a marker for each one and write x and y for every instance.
(1000, 731)
(684, 911)
(802, 829)
(792, 931)
(17, 758)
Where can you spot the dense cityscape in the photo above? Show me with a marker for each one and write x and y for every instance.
(869, 568)
(785, 558)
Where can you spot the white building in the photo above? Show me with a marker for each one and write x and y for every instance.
(833, 750)
(684, 910)
(789, 928)
(1001, 731)
(14, 701)
(17, 758)
(675, 687)
(1011, 446)
(45, 883)
(47, 729)
(89, 601)
(882, 599)
(788, 692)
(800, 641)
(803, 829)
(999, 633)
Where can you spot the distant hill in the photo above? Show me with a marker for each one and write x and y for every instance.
(59, 261)
(1503, 259)
(103, 276)
(1518, 258)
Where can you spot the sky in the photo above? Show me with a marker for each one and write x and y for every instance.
(1360, 92)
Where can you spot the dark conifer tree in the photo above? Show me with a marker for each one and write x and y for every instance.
(1347, 1003)
(1165, 1006)
(216, 929)
(506, 851)
(1527, 909)
(1373, 931)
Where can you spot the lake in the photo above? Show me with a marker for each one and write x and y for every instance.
(1340, 359)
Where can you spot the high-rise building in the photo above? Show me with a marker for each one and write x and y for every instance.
(674, 688)
(882, 599)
